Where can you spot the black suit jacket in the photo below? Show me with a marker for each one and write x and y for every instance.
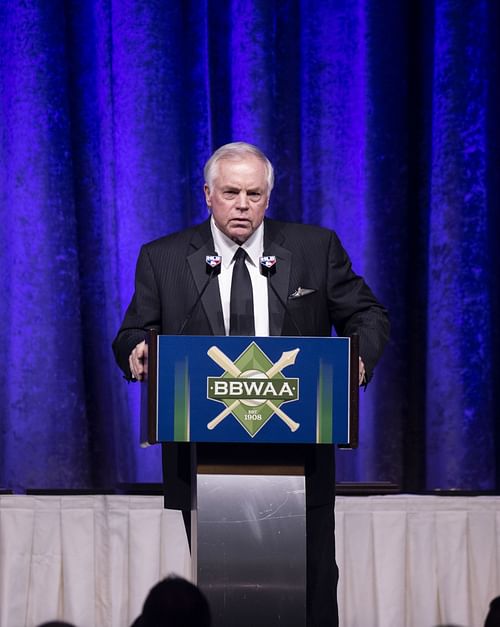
(171, 273)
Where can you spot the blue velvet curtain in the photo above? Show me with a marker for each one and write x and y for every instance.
(382, 122)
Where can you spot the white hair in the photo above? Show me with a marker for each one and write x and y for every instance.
(237, 151)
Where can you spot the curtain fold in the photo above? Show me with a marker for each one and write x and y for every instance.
(44, 418)
(459, 407)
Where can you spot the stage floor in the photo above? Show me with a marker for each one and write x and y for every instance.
(414, 561)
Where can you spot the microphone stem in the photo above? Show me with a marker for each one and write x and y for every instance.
(200, 295)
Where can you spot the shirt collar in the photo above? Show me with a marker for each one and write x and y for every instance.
(225, 247)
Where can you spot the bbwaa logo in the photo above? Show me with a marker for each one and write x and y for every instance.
(253, 388)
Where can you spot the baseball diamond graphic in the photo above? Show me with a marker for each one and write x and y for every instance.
(252, 388)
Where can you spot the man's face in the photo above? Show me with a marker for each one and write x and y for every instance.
(239, 196)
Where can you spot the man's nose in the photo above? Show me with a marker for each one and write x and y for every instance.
(242, 200)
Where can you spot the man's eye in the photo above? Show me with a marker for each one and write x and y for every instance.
(229, 195)
(255, 195)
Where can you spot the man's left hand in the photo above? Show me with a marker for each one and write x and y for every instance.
(362, 372)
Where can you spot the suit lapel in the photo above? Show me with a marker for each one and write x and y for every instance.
(273, 239)
(202, 245)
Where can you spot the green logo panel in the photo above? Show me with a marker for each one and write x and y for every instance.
(253, 412)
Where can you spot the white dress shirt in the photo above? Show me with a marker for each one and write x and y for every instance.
(254, 247)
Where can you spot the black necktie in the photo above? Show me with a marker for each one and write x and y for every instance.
(241, 320)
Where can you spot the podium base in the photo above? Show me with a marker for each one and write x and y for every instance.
(250, 558)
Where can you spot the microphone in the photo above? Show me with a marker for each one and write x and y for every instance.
(268, 265)
(213, 268)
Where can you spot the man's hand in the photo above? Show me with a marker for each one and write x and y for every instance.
(137, 361)
(362, 373)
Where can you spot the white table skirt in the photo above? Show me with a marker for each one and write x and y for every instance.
(414, 561)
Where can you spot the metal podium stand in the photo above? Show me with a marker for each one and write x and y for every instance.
(251, 549)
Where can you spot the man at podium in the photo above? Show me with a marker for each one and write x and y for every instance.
(313, 290)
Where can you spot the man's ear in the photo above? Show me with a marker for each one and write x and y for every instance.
(206, 189)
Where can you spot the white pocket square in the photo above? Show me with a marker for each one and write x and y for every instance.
(301, 291)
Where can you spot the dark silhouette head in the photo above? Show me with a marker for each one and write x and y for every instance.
(56, 623)
(174, 602)
(493, 618)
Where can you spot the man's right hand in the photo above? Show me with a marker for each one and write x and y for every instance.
(138, 361)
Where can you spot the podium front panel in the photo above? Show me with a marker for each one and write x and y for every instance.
(263, 389)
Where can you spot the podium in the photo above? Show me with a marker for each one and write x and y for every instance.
(248, 427)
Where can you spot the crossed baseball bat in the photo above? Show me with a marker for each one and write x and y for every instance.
(287, 359)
